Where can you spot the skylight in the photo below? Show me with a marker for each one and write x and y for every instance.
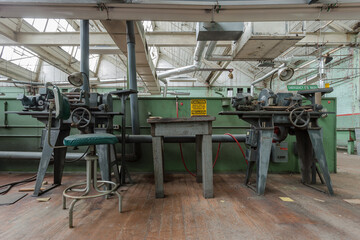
(19, 56)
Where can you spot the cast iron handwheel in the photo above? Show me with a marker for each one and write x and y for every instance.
(81, 117)
(299, 117)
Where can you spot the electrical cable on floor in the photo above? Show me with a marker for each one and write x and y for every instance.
(6, 187)
(81, 157)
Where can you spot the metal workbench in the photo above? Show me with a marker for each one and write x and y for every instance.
(201, 127)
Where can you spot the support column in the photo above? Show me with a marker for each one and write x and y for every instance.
(84, 50)
(134, 106)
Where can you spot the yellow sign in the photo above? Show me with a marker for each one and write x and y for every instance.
(198, 107)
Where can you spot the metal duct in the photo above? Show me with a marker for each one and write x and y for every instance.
(209, 54)
(199, 50)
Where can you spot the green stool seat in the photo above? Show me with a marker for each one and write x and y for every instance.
(90, 139)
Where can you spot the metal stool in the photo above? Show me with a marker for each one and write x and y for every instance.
(91, 171)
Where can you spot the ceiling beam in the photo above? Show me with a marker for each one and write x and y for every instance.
(16, 72)
(329, 39)
(61, 39)
(192, 11)
(157, 39)
(102, 43)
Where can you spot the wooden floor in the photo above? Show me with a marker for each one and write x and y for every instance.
(236, 212)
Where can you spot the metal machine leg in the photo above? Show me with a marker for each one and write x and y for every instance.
(59, 156)
(263, 159)
(317, 143)
(249, 170)
(44, 161)
(305, 152)
(158, 153)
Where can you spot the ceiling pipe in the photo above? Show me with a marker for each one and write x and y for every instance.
(199, 50)
(252, 86)
(291, 59)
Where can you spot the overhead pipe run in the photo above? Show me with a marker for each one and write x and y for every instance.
(291, 59)
(199, 50)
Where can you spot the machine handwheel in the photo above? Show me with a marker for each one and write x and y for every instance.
(81, 117)
(299, 117)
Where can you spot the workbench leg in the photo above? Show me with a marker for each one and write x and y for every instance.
(45, 159)
(207, 170)
(317, 143)
(305, 152)
(158, 153)
(199, 158)
(263, 158)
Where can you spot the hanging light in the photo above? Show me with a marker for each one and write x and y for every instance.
(285, 73)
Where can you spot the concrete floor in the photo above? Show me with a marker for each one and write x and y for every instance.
(236, 212)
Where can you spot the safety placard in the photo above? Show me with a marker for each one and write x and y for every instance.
(198, 107)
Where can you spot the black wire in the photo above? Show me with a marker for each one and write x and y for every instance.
(81, 157)
(8, 186)
(271, 79)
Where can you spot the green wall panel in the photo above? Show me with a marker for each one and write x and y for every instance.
(23, 134)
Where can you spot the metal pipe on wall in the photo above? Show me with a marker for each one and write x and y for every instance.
(184, 139)
(129, 139)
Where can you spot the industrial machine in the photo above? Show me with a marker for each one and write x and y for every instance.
(274, 116)
(90, 113)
